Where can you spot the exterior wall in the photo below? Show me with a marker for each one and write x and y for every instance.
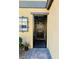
(52, 30)
(28, 36)
(52, 27)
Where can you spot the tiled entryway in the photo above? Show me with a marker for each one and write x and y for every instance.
(38, 53)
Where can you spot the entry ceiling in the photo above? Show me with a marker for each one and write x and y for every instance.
(33, 0)
(32, 3)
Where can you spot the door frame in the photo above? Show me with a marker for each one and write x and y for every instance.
(33, 25)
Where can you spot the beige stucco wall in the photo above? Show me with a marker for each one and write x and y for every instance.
(28, 36)
(52, 27)
(52, 30)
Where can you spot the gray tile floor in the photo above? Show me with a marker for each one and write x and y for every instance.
(35, 54)
(21, 54)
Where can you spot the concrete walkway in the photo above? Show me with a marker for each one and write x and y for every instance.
(38, 53)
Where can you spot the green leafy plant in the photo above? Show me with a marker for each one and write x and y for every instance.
(21, 46)
(20, 43)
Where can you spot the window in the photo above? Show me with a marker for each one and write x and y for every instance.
(23, 24)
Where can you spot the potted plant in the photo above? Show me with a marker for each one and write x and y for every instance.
(21, 46)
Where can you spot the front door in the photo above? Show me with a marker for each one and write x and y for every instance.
(40, 31)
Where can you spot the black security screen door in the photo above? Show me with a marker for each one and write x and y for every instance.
(40, 31)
